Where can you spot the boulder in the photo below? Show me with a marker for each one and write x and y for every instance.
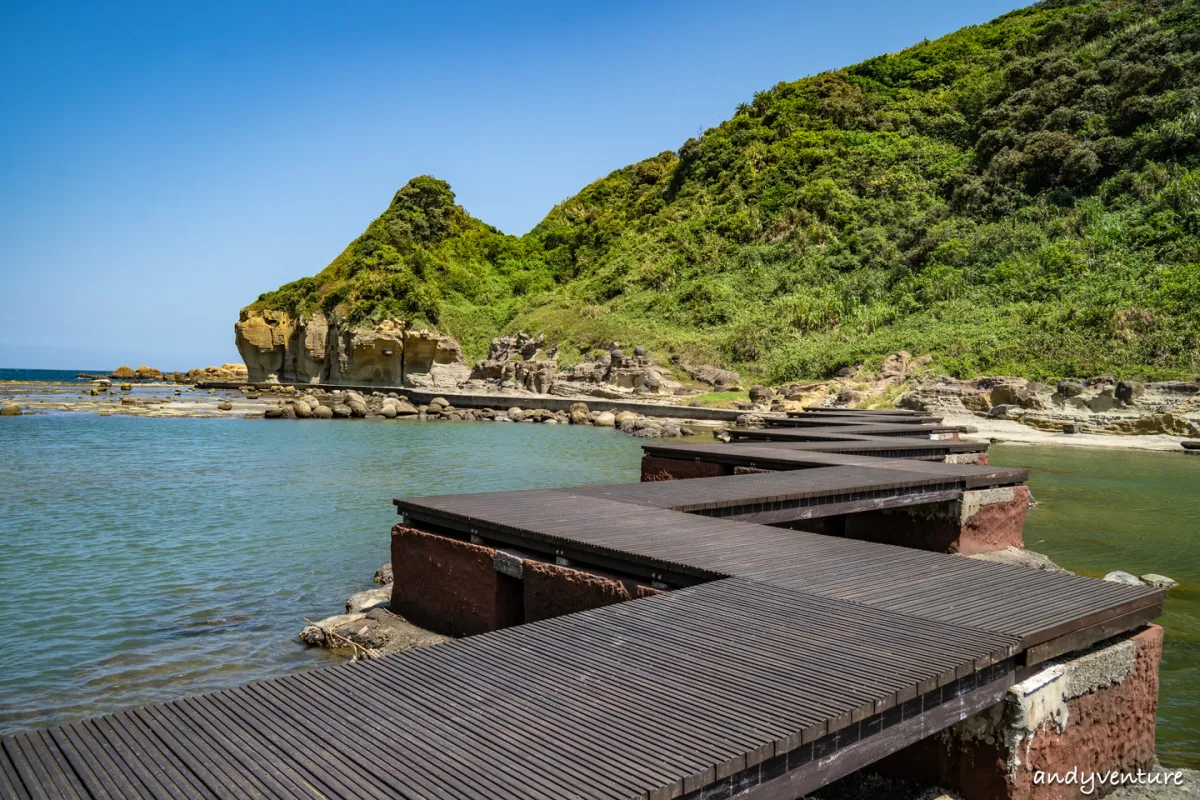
(273, 413)
(1191, 444)
(894, 366)
(287, 412)
(225, 406)
(303, 409)
(1002, 411)
(515, 414)
(1129, 391)
(405, 408)
(323, 412)
(1159, 581)
(439, 401)
(760, 394)
(1070, 388)
(123, 372)
(606, 419)
(371, 598)
(1010, 394)
(357, 407)
(580, 408)
(848, 396)
(388, 411)
(1120, 576)
(977, 401)
(713, 376)
(342, 410)
(10, 410)
(384, 574)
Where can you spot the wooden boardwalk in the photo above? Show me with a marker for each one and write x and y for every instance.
(782, 659)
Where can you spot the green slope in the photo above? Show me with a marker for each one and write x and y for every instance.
(1019, 197)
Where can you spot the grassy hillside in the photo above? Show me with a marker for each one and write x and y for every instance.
(1019, 197)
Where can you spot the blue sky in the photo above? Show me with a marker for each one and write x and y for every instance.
(165, 163)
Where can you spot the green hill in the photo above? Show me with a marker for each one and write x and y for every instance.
(1020, 197)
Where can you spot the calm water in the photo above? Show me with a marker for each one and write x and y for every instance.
(47, 375)
(144, 559)
(1139, 512)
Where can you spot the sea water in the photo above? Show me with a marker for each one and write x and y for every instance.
(146, 559)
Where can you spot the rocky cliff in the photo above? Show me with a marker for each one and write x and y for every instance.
(280, 348)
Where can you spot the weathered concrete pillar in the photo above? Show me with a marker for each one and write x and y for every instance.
(551, 590)
(1078, 718)
(458, 588)
(981, 521)
(673, 469)
(451, 587)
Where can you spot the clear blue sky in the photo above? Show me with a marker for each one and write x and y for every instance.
(166, 162)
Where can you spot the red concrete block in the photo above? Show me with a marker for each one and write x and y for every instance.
(992, 756)
(551, 590)
(450, 587)
(674, 469)
(983, 521)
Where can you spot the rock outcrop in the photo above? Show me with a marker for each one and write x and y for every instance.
(617, 375)
(519, 362)
(279, 348)
(522, 363)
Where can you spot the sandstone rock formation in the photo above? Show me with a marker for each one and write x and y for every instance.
(311, 349)
(519, 362)
(617, 375)
(226, 373)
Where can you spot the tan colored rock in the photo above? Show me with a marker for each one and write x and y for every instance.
(10, 410)
(311, 349)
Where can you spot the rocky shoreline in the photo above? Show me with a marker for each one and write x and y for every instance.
(351, 404)
(164, 400)
(521, 381)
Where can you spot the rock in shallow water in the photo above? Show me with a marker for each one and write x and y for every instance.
(1159, 581)
(372, 598)
(1120, 576)
(10, 410)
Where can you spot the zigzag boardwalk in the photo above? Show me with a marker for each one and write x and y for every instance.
(778, 661)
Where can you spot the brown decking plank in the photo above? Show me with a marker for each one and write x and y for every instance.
(433, 728)
(313, 757)
(226, 759)
(189, 753)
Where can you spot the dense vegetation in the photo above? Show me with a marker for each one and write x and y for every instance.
(1019, 197)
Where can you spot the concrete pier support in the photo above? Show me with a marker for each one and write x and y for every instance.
(979, 522)
(458, 588)
(1062, 728)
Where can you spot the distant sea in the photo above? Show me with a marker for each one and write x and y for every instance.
(47, 375)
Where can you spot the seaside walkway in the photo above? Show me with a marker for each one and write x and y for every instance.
(777, 661)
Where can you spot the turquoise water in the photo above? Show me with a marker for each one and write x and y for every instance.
(47, 375)
(1139, 512)
(145, 559)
